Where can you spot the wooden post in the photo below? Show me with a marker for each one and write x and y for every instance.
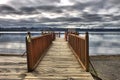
(87, 51)
(29, 51)
(59, 34)
(41, 32)
(66, 35)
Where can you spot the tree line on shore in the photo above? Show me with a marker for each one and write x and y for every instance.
(56, 29)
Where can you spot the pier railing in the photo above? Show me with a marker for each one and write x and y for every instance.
(80, 46)
(36, 47)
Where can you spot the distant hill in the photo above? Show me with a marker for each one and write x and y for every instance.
(58, 29)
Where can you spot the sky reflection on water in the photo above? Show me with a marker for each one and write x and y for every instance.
(100, 44)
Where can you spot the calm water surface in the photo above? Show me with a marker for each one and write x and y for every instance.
(99, 43)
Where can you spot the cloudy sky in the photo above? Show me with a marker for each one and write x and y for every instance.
(67, 12)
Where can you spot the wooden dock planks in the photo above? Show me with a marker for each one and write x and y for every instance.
(12, 67)
(59, 64)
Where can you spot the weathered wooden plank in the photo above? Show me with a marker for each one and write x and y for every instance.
(60, 59)
(12, 73)
(59, 64)
(13, 66)
(60, 56)
(59, 78)
(12, 76)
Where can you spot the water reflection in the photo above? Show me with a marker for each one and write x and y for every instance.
(14, 43)
(104, 44)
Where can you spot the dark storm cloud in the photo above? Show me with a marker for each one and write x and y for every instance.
(60, 19)
(31, 6)
(92, 17)
(40, 9)
(116, 17)
(4, 9)
(115, 2)
(50, 8)
(69, 19)
(26, 3)
(85, 18)
(87, 10)
(29, 10)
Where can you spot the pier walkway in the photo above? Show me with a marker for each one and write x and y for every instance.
(59, 63)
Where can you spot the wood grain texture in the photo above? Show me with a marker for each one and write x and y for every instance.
(59, 64)
(12, 67)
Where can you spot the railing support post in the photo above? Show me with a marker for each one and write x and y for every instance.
(29, 51)
(66, 36)
(59, 34)
(87, 51)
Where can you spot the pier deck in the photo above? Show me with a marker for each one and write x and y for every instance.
(59, 63)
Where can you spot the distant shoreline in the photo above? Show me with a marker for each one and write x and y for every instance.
(61, 32)
(62, 29)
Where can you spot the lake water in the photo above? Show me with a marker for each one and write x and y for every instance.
(99, 43)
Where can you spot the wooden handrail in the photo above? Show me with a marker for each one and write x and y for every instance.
(35, 48)
(80, 46)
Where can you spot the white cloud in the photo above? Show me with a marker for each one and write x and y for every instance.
(18, 17)
(113, 10)
(29, 3)
(86, 1)
(51, 15)
(4, 1)
(88, 10)
(60, 10)
(73, 13)
(102, 11)
(89, 6)
(65, 3)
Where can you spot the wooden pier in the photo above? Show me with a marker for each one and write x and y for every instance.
(60, 62)
(49, 58)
